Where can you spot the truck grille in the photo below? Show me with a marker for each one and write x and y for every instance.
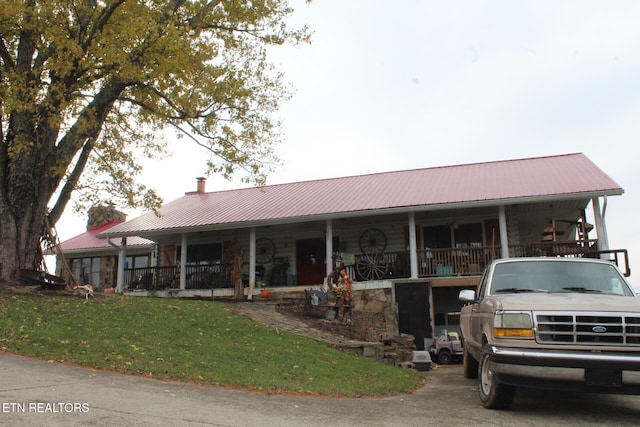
(588, 328)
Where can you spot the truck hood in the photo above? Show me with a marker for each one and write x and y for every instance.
(567, 302)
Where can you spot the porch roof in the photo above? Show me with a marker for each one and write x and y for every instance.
(88, 241)
(560, 177)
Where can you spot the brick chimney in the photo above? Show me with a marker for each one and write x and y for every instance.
(201, 184)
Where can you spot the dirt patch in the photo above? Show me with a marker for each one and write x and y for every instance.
(358, 326)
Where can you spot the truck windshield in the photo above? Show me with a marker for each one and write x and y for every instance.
(558, 276)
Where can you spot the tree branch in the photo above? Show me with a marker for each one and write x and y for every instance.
(6, 56)
(72, 180)
(101, 22)
(195, 20)
(95, 112)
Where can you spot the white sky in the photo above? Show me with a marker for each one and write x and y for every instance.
(412, 84)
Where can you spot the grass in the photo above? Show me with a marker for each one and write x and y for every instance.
(190, 341)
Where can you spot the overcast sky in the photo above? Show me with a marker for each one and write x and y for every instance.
(411, 84)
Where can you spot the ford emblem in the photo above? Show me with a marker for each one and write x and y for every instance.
(599, 329)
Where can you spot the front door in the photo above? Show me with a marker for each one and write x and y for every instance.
(414, 316)
(310, 265)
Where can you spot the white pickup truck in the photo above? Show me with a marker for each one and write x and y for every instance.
(554, 323)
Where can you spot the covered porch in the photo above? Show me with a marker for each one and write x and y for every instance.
(432, 263)
(410, 225)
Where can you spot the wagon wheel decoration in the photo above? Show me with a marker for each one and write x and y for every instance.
(373, 240)
(265, 250)
(371, 266)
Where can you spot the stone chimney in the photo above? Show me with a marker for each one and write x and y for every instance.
(99, 215)
(201, 184)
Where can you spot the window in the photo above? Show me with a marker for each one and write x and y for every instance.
(468, 235)
(86, 271)
(436, 237)
(464, 235)
(140, 261)
(210, 253)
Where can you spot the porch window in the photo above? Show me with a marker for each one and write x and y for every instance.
(210, 253)
(464, 235)
(468, 235)
(140, 261)
(437, 237)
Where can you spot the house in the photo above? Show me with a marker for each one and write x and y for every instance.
(421, 234)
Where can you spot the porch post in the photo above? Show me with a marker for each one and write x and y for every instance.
(183, 263)
(328, 256)
(601, 228)
(122, 256)
(504, 239)
(413, 247)
(252, 262)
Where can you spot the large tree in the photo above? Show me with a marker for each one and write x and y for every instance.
(86, 85)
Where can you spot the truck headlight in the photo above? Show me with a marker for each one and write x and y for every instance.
(512, 325)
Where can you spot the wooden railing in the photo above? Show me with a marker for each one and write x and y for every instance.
(198, 277)
(431, 263)
(473, 260)
(466, 261)
(455, 262)
(577, 248)
(469, 261)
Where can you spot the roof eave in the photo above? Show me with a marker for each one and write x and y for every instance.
(101, 249)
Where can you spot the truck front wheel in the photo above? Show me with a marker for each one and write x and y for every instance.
(493, 394)
(444, 357)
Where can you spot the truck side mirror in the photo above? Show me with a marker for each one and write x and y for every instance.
(467, 295)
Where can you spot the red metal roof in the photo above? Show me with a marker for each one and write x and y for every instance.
(563, 176)
(89, 241)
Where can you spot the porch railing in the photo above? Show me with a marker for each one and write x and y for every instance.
(431, 263)
(455, 262)
(466, 261)
(469, 261)
(473, 260)
(159, 278)
(577, 248)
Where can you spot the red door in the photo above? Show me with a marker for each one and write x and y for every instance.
(310, 266)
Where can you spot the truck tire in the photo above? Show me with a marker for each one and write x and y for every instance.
(469, 365)
(493, 394)
(444, 357)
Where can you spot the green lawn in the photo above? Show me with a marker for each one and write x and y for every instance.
(185, 340)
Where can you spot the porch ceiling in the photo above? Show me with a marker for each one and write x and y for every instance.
(533, 218)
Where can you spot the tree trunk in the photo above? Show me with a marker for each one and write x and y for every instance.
(24, 194)
(28, 178)
(20, 241)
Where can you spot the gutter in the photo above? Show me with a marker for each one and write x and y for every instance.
(112, 244)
